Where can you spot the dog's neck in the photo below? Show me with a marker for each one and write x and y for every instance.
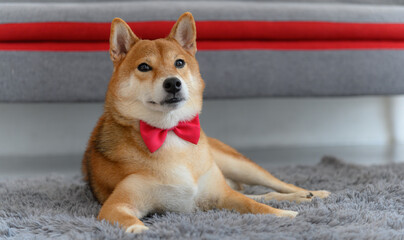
(169, 119)
(162, 120)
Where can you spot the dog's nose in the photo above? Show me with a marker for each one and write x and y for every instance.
(172, 85)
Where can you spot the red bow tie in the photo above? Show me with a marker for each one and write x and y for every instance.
(154, 137)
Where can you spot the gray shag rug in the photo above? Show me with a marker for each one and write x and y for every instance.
(366, 203)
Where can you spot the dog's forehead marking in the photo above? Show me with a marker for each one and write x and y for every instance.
(156, 52)
(168, 51)
(144, 49)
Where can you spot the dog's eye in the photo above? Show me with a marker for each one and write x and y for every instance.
(179, 63)
(144, 67)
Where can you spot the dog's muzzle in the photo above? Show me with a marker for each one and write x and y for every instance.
(173, 88)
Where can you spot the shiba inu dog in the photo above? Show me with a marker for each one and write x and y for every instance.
(148, 153)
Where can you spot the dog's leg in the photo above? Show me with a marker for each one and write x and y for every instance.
(127, 203)
(233, 200)
(222, 196)
(235, 185)
(302, 196)
(240, 169)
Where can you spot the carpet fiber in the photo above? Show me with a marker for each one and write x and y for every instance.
(366, 203)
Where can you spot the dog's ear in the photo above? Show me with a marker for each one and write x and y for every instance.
(121, 40)
(184, 32)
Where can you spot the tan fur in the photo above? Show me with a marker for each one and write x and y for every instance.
(131, 182)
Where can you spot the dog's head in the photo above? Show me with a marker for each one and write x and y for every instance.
(156, 81)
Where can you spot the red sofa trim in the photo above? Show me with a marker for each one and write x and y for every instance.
(208, 30)
(216, 45)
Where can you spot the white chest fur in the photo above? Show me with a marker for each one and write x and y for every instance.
(173, 141)
(178, 195)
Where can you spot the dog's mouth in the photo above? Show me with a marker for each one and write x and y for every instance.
(173, 100)
(168, 101)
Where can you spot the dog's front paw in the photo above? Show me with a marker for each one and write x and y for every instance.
(287, 213)
(136, 228)
(321, 193)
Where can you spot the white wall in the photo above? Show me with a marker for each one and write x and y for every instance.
(60, 129)
(301, 122)
(397, 113)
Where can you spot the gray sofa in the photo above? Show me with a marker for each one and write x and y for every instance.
(49, 51)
